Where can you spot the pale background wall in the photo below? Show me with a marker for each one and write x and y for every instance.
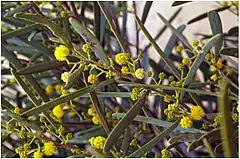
(189, 11)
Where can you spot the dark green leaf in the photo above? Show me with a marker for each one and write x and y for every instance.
(216, 27)
(6, 104)
(123, 124)
(89, 39)
(233, 31)
(21, 8)
(146, 10)
(66, 98)
(178, 3)
(40, 67)
(230, 51)
(74, 76)
(155, 140)
(204, 15)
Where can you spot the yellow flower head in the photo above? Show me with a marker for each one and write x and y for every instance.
(195, 43)
(179, 48)
(58, 88)
(64, 76)
(38, 154)
(96, 120)
(219, 64)
(17, 110)
(49, 90)
(61, 52)
(214, 77)
(97, 142)
(185, 61)
(125, 70)
(139, 73)
(49, 148)
(92, 78)
(197, 112)
(121, 58)
(186, 122)
(91, 141)
(86, 48)
(91, 111)
(58, 111)
(166, 154)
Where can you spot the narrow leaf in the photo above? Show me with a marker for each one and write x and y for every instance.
(146, 10)
(200, 58)
(40, 67)
(229, 144)
(21, 8)
(123, 124)
(6, 104)
(230, 51)
(74, 76)
(63, 99)
(178, 3)
(155, 140)
(89, 39)
(204, 15)
(168, 62)
(180, 36)
(216, 27)
(209, 147)
(56, 29)
(160, 123)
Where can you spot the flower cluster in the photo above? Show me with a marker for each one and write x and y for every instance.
(61, 53)
(38, 154)
(139, 73)
(95, 117)
(64, 76)
(121, 58)
(49, 148)
(166, 154)
(92, 79)
(58, 111)
(97, 142)
(49, 90)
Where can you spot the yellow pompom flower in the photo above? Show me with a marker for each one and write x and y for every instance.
(197, 112)
(166, 154)
(91, 111)
(96, 120)
(61, 53)
(58, 111)
(92, 78)
(64, 76)
(139, 73)
(38, 154)
(86, 48)
(214, 77)
(185, 61)
(49, 90)
(125, 70)
(186, 122)
(121, 58)
(219, 64)
(49, 148)
(97, 142)
(58, 88)
(17, 110)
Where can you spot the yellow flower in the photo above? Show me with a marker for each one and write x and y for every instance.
(219, 64)
(96, 120)
(91, 111)
(17, 110)
(49, 148)
(179, 48)
(58, 111)
(92, 78)
(38, 154)
(86, 48)
(124, 70)
(139, 73)
(197, 112)
(213, 68)
(166, 154)
(121, 58)
(97, 142)
(61, 52)
(64, 76)
(214, 77)
(185, 61)
(186, 122)
(58, 88)
(49, 90)
(195, 43)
